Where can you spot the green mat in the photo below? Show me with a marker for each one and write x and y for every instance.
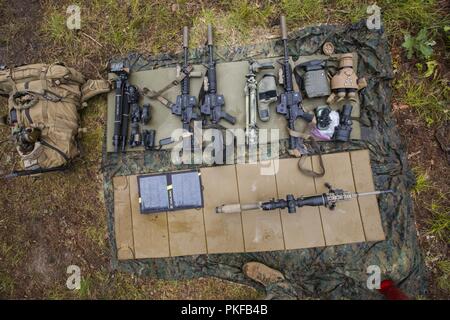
(230, 82)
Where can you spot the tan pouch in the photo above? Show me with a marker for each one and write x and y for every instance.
(22, 74)
(34, 159)
(60, 73)
(94, 87)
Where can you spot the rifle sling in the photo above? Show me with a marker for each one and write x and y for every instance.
(308, 172)
(296, 153)
(22, 173)
(152, 94)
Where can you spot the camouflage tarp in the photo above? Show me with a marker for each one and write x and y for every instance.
(333, 272)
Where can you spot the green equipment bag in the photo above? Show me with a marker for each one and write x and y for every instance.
(43, 112)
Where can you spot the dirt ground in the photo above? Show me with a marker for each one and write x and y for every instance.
(424, 150)
(49, 223)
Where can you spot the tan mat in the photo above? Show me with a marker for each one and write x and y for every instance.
(230, 82)
(200, 231)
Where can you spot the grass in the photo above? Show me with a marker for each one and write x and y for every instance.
(122, 28)
(7, 284)
(11, 253)
(245, 15)
(347, 11)
(411, 15)
(443, 280)
(242, 23)
(97, 234)
(303, 12)
(428, 97)
(439, 222)
(423, 183)
(56, 27)
(103, 284)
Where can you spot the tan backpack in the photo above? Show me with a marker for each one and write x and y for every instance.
(43, 105)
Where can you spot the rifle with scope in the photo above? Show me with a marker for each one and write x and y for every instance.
(327, 200)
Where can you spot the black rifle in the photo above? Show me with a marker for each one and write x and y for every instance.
(185, 103)
(327, 200)
(120, 86)
(290, 101)
(213, 102)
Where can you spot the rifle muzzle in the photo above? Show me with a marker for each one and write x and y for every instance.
(236, 208)
(283, 28)
(210, 35)
(185, 37)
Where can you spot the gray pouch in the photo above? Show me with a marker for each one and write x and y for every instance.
(314, 80)
(267, 93)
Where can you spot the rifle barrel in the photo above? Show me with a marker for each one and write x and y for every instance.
(315, 200)
(371, 193)
(211, 72)
(210, 35)
(237, 207)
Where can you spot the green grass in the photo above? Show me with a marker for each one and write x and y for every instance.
(245, 15)
(347, 11)
(443, 280)
(439, 222)
(97, 234)
(6, 285)
(423, 183)
(11, 259)
(116, 28)
(56, 28)
(411, 15)
(428, 97)
(102, 284)
(11, 253)
(237, 25)
(303, 12)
